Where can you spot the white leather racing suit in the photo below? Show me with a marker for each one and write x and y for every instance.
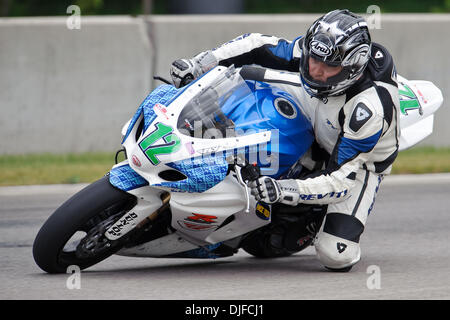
(358, 131)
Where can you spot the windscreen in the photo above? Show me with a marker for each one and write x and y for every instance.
(202, 117)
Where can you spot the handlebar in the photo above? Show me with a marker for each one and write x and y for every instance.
(250, 172)
(186, 80)
(247, 172)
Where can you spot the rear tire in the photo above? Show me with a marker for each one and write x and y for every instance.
(90, 211)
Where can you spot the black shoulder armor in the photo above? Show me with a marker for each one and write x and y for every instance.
(381, 65)
(380, 68)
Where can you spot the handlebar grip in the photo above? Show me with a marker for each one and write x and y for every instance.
(186, 80)
(250, 172)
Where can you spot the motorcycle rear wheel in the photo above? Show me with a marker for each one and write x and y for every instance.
(91, 211)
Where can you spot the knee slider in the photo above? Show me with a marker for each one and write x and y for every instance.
(337, 243)
(336, 253)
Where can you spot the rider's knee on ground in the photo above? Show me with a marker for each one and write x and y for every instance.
(336, 253)
(337, 242)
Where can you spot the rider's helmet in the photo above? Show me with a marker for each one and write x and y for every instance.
(339, 38)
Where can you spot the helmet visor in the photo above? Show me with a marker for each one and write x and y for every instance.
(320, 82)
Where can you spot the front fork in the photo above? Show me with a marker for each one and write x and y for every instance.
(143, 212)
(150, 201)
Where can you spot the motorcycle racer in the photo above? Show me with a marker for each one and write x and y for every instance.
(348, 89)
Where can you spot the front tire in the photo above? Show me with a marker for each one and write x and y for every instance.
(89, 212)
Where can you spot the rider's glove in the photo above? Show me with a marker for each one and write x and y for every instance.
(184, 71)
(270, 190)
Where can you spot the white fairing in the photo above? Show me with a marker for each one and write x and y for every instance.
(191, 146)
(190, 213)
(198, 219)
(167, 245)
(416, 123)
(220, 213)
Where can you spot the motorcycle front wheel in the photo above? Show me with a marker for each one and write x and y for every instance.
(74, 234)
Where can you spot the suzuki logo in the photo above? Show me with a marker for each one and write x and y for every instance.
(202, 218)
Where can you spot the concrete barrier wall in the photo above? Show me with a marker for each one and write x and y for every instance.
(67, 90)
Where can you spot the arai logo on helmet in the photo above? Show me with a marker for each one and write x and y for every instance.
(320, 48)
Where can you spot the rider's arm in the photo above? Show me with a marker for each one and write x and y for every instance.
(361, 131)
(250, 48)
(255, 48)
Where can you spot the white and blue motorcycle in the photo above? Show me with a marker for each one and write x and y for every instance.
(181, 192)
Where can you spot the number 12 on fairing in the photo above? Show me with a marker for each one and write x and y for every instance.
(169, 143)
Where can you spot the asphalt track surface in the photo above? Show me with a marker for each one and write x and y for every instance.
(405, 255)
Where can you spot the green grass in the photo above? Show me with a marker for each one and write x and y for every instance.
(51, 168)
(422, 160)
(88, 167)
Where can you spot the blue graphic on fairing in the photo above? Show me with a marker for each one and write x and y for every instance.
(202, 252)
(164, 95)
(252, 109)
(125, 178)
(202, 173)
(291, 138)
